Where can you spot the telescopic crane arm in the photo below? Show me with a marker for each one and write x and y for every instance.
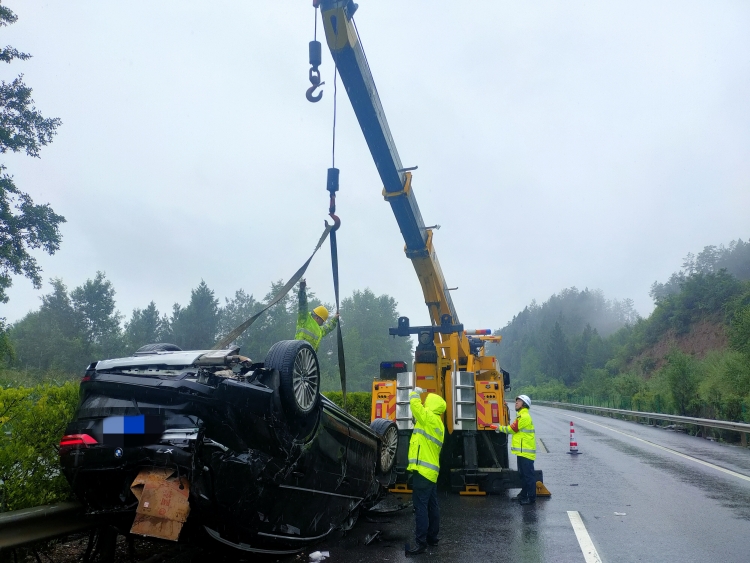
(346, 49)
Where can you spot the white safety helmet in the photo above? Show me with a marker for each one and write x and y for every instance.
(525, 399)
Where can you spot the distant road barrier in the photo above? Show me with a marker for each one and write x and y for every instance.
(741, 427)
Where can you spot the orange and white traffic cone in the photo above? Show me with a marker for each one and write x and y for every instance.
(573, 442)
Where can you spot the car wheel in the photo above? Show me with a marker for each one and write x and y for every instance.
(388, 432)
(299, 375)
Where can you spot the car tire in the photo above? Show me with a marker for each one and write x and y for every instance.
(299, 376)
(387, 431)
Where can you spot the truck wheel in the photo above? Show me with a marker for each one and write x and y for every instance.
(388, 433)
(299, 375)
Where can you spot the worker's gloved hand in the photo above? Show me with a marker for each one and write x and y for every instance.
(495, 427)
(419, 390)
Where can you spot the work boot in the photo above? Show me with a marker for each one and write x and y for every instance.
(527, 500)
(432, 543)
(416, 550)
(519, 496)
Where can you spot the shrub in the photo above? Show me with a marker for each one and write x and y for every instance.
(32, 421)
(358, 404)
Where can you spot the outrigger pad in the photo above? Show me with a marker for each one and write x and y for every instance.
(541, 490)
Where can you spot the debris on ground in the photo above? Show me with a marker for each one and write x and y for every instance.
(369, 538)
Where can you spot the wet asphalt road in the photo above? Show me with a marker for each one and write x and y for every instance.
(675, 508)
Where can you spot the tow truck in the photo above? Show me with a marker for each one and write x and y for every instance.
(448, 359)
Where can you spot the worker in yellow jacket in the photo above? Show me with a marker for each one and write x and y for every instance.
(424, 463)
(312, 326)
(523, 445)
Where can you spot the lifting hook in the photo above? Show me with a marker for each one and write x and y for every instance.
(336, 222)
(315, 60)
(316, 83)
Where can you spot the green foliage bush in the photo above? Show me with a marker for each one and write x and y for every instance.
(32, 421)
(358, 404)
(739, 333)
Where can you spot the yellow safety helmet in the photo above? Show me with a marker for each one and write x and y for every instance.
(322, 312)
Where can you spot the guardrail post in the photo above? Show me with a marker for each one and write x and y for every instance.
(743, 439)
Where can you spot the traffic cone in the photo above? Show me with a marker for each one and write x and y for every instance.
(573, 443)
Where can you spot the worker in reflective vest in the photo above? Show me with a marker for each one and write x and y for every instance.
(523, 445)
(312, 326)
(424, 462)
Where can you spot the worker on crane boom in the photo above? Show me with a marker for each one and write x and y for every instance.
(312, 326)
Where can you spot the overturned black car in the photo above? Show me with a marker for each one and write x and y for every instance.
(251, 452)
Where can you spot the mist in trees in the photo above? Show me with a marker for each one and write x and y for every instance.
(145, 326)
(641, 366)
(734, 259)
(73, 328)
(562, 337)
(195, 327)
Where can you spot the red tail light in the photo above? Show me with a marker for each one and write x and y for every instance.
(77, 440)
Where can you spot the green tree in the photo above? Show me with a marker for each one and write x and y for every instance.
(7, 353)
(49, 338)
(24, 226)
(196, 326)
(145, 327)
(558, 356)
(365, 320)
(530, 371)
(96, 316)
(739, 333)
(235, 312)
(70, 330)
(683, 382)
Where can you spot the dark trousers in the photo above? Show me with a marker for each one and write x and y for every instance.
(426, 509)
(528, 478)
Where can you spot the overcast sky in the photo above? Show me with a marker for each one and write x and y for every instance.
(559, 144)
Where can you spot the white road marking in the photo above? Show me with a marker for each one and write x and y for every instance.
(542, 447)
(675, 452)
(584, 540)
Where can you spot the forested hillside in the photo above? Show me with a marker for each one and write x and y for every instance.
(690, 356)
(72, 328)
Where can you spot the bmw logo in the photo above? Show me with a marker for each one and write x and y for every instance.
(118, 452)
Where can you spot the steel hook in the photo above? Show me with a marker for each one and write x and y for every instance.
(336, 222)
(316, 83)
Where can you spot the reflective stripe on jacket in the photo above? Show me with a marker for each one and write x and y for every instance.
(307, 328)
(524, 436)
(427, 436)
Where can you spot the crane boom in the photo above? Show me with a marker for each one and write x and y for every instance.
(346, 49)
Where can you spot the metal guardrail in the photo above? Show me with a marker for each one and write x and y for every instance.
(22, 527)
(704, 422)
